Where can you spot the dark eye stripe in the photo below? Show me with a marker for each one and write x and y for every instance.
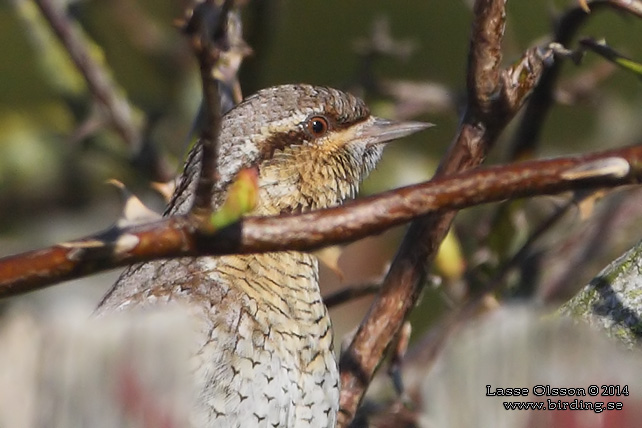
(282, 140)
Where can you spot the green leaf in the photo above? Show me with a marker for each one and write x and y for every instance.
(241, 199)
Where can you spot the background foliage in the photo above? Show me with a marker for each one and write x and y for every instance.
(55, 154)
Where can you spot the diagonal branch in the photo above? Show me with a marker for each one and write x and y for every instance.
(179, 236)
(97, 79)
(486, 114)
(494, 97)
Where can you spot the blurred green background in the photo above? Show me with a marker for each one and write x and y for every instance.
(52, 185)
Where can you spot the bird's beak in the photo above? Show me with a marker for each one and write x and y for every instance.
(378, 130)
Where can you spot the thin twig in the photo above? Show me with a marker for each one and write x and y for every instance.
(207, 30)
(589, 246)
(100, 85)
(527, 136)
(517, 258)
(350, 293)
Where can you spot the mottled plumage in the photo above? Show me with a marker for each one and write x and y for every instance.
(265, 355)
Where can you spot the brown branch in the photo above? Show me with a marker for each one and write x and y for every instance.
(493, 98)
(526, 139)
(524, 142)
(485, 55)
(207, 31)
(97, 79)
(178, 236)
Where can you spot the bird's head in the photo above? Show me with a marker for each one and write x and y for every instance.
(312, 145)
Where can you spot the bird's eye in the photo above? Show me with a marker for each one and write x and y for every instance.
(317, 126)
